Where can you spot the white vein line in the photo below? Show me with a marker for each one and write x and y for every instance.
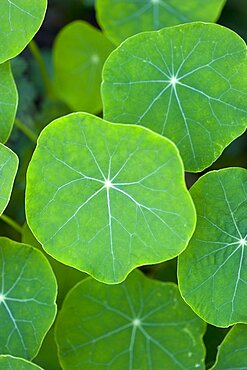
(167, 112)
(131, 347)
(140, 82)
(238, 279)
(128, 300)
(3, 271)
(187, 57)
(110, 232)
(219, 228)
(164, 61)
(124, 164)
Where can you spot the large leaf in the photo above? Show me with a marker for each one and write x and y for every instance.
(139, 324)
(213, 269)
(186, 82)
(8, 168)
(15, 363)
(8, 101)
(19, 21)
(106, 198)
(123, 18)
(79, 53)
(27, 298)
(232, 353)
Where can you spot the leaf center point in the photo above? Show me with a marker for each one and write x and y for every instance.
(108, 184)
(243, 242)
(2, 298)
(173, 81)
(136, 322)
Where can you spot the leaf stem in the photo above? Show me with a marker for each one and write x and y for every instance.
(11, 223)
(34, 49)
(26, 131)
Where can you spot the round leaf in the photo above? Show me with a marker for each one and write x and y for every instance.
(98, 191)
(19, 22)
(15, 363)
(79, 53)
(8, 168)
(232, 353)
(139, 324)
(123, 18)
(213, 269)
(27, 298)
(186, 82)
(8, 101)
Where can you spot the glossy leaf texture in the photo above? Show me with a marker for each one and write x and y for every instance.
(27, 298)
(14, 363)
(186, 82)
(124, 18)
(232, 352)
(19, 22)
(139, 324)
(105, 198)
(8, 168)
(79, 53)
(8, 101)
(212, 271)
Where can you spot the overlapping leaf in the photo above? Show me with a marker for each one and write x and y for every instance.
(139, 324)
(186, 82)
(15, 363)
(8, 101)
(79, 53)
(105, 198)
(123, 18)
(213, 269)
(8, 168)
(19, 21)
(27, 298)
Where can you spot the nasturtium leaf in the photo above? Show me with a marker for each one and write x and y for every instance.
(105, 198)
(8, 168)
(14, 363)
(19, 22)
(123, 18)
(27, 298)
(232, 353)
(139, 324)
(79, 53)
(8, 101)
(213, 270)
(186, 82)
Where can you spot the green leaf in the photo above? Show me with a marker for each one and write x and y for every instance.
(79, 53)
(139, 324)
(19, 22)
(123, 18)
(8, 168)
(186, 82)
(15, 363)
(27, 298)
(212, 271)
(47, 356)
(8, 101)
(232, 353)
(98, 191)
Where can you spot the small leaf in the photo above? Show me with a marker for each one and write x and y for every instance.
(79, 53)
(232, 353)
(20, 20)
(212, 271)
(122, 18)
(27, 298)
(8, 101)
(105, 198)
(15, 363)
(186, 82)
(139, 324)
(8, 168)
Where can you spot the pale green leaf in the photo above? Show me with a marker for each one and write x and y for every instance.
(232, 353)
(123, 18)
(186, 82)
(8, 101)
(14, 363)
(27, 298)
(213, 269)
(139, 324)
(105, 198)
(19, 22)
(8, 168)
(79, 53)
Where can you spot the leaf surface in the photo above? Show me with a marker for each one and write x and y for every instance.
(105, 198)
(27, 298)
(139, 324)
(15, 363)
(186, 82)
(213, 270)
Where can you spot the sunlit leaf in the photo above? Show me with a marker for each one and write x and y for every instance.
(15, 363)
